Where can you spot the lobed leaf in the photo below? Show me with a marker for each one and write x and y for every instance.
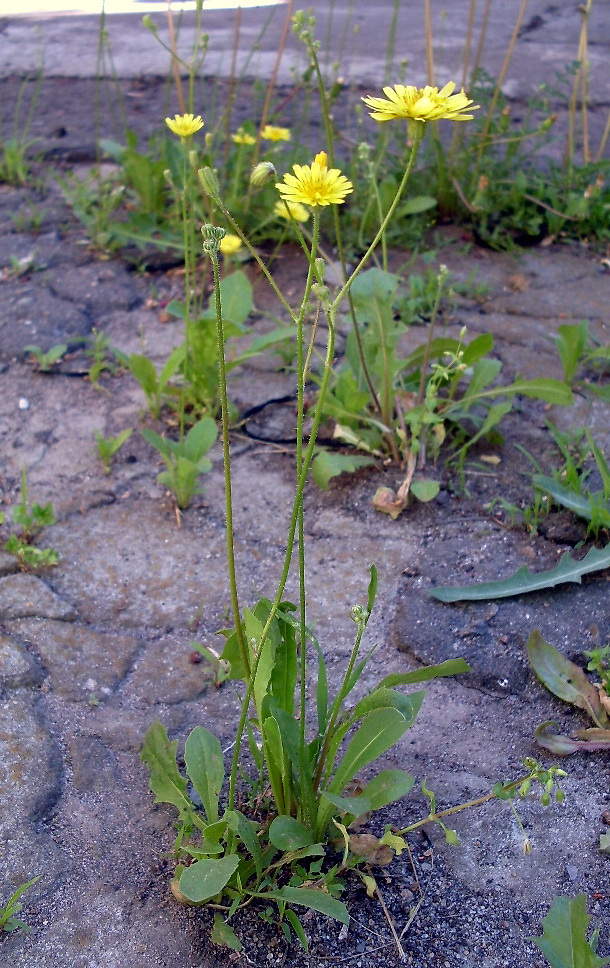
(523, 580)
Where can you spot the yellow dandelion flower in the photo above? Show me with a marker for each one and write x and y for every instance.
(315, 185)
(298, 211)
(242, 137)
(230, 244)
(272, 133)
(184, 125)
(421, 104)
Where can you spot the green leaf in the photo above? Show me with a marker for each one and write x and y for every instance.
(372, 589)
(286, 833)
(417, 204)
(564, 941)
(580, 504)
(408, 705)
(425, 490)
(376, 735)
(565, 745)
(316, 900)
(205, 767)
(523, 580)
(552, 391)
(321, 691)
(145, 373)
(223, 935)
(387, 787)
(297, 927)
(330, 463)
(247, 831)
(451, 667)
(204, 879)
(166, 781)
(564, 678)
(236, 298)
(200, 438)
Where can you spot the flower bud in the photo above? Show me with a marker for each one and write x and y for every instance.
(262, 173)
(209, 182)
(212, 237)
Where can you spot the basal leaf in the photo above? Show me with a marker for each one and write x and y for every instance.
(387, 787)
(223, 935)
(587, 506)
(205, 767)
(204, 879)
(552, 391)
(451, 667)
(523, 580)
(587, 741)
(317, 901)
(377, 734)
(564, 678)
(383, 698)
(328, 464)
(200, 438)
(425, 490)
(286, 833)
(166, 781)
(236, 297)
(564, 941)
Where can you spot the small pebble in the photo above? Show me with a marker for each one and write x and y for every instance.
(24, 403)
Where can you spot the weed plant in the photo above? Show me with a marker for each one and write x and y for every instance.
(286, 839)
(27, 521)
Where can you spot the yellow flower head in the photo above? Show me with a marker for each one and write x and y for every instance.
(242, 137)
(272, 133)
(315, 185)
(420, 104)
(230, 244)
(184, 125)
(298, 211)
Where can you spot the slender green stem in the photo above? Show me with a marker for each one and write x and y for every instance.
(431, 327)
(365, 258)
(328, 128)
(222, 374)
(258, 260)
(302, 479)
(432, 817)
(301, 377)
(330, 727)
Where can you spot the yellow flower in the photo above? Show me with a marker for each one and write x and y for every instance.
(272, 133)
(184, 125)
(316, 185)
(298, 211)
(242, 137)
(420, 104)
(230, 244)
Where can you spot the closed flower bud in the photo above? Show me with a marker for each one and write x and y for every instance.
(262, 173)
(212, 237)
(209, 182)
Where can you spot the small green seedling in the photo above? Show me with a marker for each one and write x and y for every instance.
(185, 459)
(8, 919)
(107, 447)
(30, 521)
(46, 361)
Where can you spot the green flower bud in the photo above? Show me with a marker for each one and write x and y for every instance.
(262, 173)
(212, 237)
(209, 182)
